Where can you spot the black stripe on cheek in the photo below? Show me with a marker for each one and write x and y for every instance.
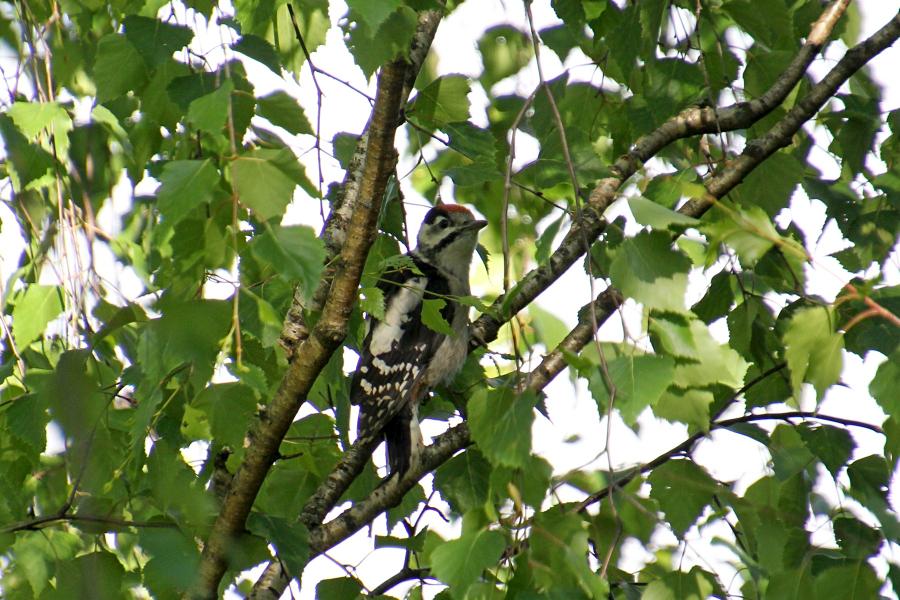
(448, 239)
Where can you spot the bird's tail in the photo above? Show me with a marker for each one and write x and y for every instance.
(404, 441)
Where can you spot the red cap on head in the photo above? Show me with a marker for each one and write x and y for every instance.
(454, 208)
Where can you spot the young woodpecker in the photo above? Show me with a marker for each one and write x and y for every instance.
(401, 358)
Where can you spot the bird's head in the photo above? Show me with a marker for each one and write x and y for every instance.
(449, 234)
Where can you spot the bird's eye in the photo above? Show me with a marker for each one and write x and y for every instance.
(442, 223)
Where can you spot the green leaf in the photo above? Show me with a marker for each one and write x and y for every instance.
(713, 363)
(648, 212)
(27, 164)
(174, 561)
(341, 588)
(187, 88)
(259, 50)
(789, 454)
(283, 110)
(229, 407)
(860, 123)
(813, 349)
(130, 313)
(884, 385)
(501, 425)
(749, 231)
(559, 38)
(443, 101)
(155, 40)
(372, 48)
(544, 244)
(265, 180)
(159, 107)
(289, 537)
(672, 334)
(718, 299)
(624, 32)
(460, 562)
(683, 490)
(772, 184)
(472, 142)
(558, 550)
(688, 406)
(464, 480)
(259, 318)
(551, 329)
(97, 575)
(119, 68)
(869, 477)
(832, 445)
(187, 333)
(372, 302)
(504, 50)
(74, 396)
(374, 12)
(175, 489)
(647, 269)
(209, 112)
(474, 174)
(854, 581)
(408, 504)
(294, 252)
(855, 538)
(693, 585)
(875, 333)
(777, 546)
(27, 418)
(432, 317)
(33, 117)
(667, 190)
(639, 382)
(344, 145)
(528, 484)
(39, 305)
(184, 185)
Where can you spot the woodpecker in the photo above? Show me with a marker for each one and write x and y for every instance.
(401, 358)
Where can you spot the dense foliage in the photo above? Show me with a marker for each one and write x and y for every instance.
(163, 308)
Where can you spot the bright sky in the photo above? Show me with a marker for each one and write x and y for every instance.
(572, 411)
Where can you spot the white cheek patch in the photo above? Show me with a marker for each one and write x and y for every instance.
(401, 305)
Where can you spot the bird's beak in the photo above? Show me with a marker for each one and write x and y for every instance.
(476, 225)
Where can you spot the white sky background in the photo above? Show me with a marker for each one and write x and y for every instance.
(572, 411)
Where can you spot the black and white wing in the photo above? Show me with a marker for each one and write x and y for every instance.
(395, 354)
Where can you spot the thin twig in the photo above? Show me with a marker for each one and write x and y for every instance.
(41, 522)
(406, 574)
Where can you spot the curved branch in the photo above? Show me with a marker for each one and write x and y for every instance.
(686, 446)
(113, 523)
(407, 574)
(390, 493)
(798, 414)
